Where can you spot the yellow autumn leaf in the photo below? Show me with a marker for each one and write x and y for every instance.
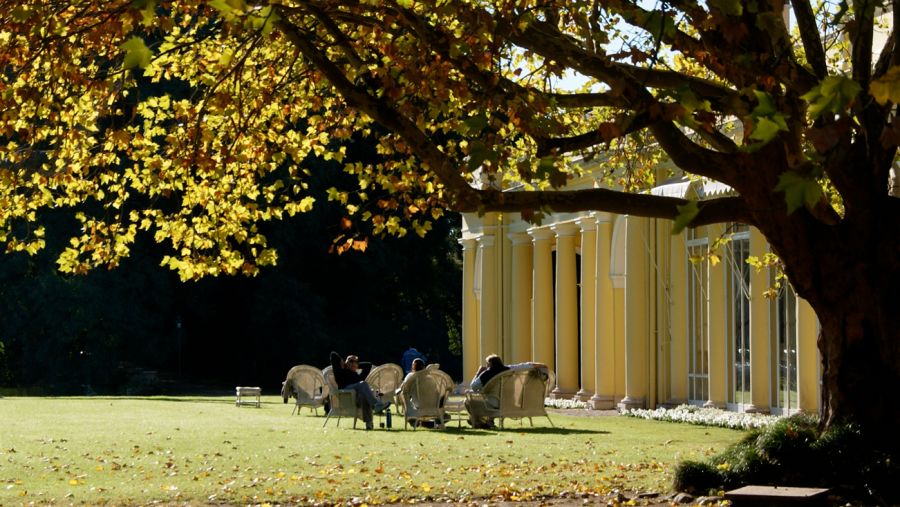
(887, 88)
(73, 482)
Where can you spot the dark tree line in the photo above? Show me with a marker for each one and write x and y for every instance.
(138, 329)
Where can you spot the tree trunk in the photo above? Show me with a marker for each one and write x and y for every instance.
(851, 277)
(861, 365)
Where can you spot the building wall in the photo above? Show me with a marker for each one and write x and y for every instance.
(618, 328)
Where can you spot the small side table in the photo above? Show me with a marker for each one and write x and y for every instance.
(248, 392)
(455, 406)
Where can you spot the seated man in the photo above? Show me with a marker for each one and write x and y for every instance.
(492, 367)
(351, 374)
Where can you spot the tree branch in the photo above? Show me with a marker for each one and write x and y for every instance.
(691, 157)
(809, 34)
(626, 80)
(583, 100)
(380, 111)
(717, 140)
(723, 209)
(861, 45)
(604, 133)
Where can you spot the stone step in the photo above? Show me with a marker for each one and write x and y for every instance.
(776, 496)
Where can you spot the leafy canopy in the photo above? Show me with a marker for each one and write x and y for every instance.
(191, 120)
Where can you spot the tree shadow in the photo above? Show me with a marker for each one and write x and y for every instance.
(216, 399)
(540, 430)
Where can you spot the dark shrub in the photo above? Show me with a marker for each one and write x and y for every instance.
(742, 463)
(787, 447)
(792, 452)
(858, 466)
(843, 450)
(696, 477)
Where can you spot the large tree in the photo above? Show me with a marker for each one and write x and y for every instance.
(188, 119)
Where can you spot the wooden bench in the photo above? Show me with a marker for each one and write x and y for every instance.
(752, 496)
(249, 392)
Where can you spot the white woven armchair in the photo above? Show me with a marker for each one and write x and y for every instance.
(307, 385)
(422, 397)
(513, 394)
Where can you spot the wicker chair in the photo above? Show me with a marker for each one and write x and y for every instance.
(342, 402)
(422, 397)
(307, 385)
(384, 380)
(513, 394)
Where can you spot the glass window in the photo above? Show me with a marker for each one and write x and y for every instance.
(698, 321)
(738, 316)
(784, 344)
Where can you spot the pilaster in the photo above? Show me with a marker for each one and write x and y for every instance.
(588, 228)
(566, 312)
(521, 297)
(636, 333)
(605, 336)
(717, 331)
(759, 329)
(807, 358)
(489, 334)
(471, 353)
(542, 339)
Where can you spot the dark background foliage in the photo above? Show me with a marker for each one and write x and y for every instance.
(139, 330)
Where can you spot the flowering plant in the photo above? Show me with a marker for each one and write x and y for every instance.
(705, 416)
(563, 403)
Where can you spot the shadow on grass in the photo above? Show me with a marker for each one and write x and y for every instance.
(180, 399)
(543, 430)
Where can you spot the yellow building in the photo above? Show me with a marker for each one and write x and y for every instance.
(630, 316)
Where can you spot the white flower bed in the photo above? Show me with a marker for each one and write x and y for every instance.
(560, 403)
(706, 416)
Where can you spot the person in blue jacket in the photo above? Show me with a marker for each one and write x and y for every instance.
(408, 357)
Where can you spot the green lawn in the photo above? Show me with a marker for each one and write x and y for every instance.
(193, 449)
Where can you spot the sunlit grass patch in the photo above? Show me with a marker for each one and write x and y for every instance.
(137, 450)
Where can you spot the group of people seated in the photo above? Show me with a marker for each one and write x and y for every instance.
(350, 373)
